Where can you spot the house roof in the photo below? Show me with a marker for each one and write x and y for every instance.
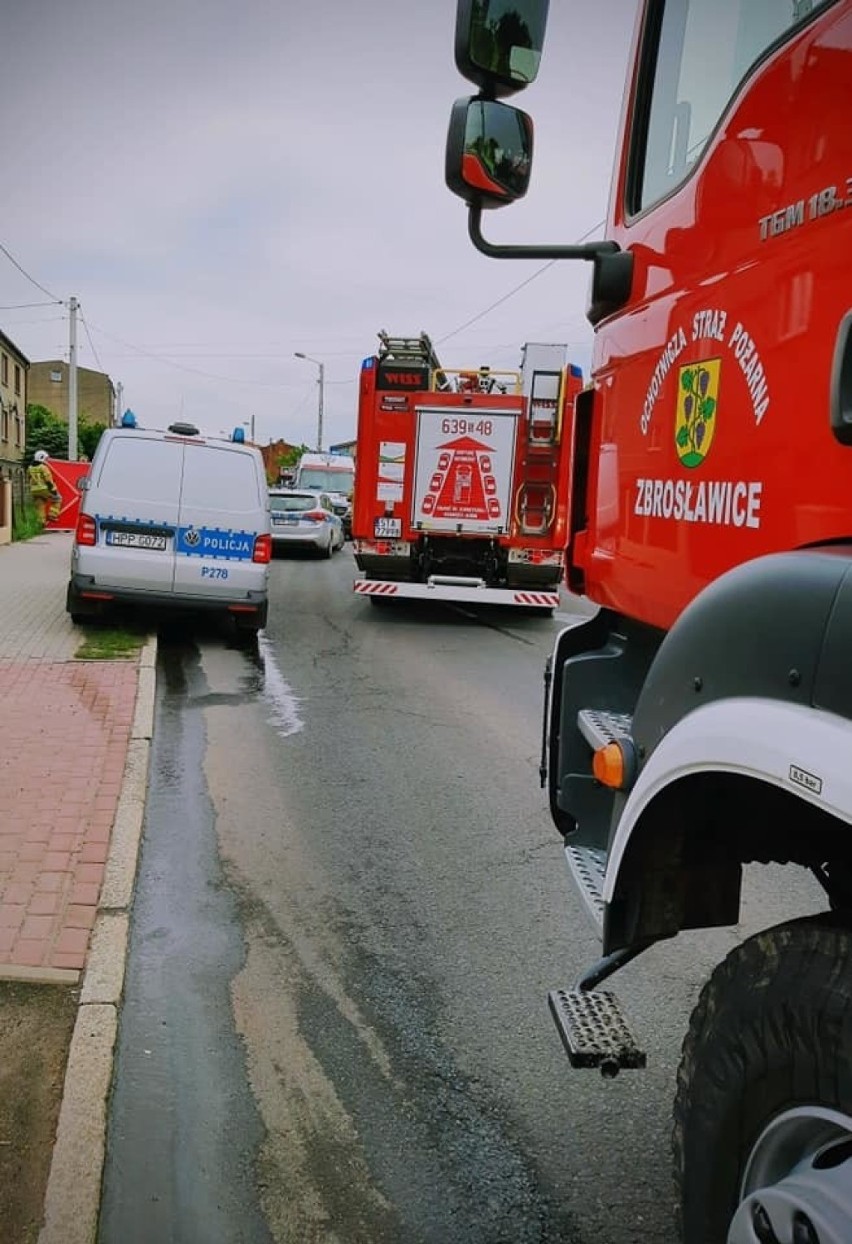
(10, 345)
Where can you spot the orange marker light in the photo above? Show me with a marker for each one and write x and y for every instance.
(608, 765)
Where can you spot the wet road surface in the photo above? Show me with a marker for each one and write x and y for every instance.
(350, 907)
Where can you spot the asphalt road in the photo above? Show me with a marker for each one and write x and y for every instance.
(351, 905)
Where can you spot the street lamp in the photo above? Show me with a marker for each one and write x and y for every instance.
(321, 382)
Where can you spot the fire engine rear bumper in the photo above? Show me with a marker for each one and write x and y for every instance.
(457, 591)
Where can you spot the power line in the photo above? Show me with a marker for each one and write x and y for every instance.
(31, 279)
(195, 371)
(516, 290)
(22, 306)
(91, 343)
(50, 319)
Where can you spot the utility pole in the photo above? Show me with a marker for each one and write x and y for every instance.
(72, 380)
(319, 412)
(321, 382)
(119, 399)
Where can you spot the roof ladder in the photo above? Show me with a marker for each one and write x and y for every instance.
(414, 350)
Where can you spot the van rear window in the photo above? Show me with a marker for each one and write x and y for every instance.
(220, 479)
(135, 469)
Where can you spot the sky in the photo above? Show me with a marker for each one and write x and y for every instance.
(223, 184)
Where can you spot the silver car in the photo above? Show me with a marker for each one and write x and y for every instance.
(302, 518)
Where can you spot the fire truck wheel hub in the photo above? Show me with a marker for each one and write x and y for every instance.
(797, 1184)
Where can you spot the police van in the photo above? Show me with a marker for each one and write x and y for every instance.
(172, 519)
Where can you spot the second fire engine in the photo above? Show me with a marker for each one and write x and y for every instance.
(461, 492)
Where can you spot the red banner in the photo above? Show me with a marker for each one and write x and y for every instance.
(67, 476)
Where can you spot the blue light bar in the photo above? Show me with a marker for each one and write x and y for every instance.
(128, 419)
(239, 435)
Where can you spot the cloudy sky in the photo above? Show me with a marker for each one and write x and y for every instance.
(221, 184)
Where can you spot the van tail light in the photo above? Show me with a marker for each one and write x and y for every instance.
(262, 549)
(87, 530)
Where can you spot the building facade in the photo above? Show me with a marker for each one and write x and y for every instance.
(14, 395)
(272, 455)
(48, 386)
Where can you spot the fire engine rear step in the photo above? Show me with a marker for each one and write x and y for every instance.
(594, 1030)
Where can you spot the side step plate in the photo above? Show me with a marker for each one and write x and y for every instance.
(594, 1030)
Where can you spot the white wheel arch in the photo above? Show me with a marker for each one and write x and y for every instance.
(802, 750)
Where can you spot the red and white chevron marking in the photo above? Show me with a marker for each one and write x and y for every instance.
(370, 588)
(549, 600)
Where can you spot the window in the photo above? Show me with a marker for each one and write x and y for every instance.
(703, 50)
(141, 470)
(4, 421)
(292, 504)
(56, 377)
(220, 479)
(17, 379)
(4, 369)
(334, 479)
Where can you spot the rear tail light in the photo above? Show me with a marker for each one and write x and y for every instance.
(315, 516)
(262, 549)
(87, 530)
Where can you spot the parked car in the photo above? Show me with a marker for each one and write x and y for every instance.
(333, 475)
(304, 518)
(172, 519)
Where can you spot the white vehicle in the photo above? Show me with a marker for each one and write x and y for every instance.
(305, 519)
(173, 519)
(333, 474)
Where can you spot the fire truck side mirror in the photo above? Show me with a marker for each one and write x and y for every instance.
(489, 152)
(498, 47)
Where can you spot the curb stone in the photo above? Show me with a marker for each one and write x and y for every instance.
(72, 1200)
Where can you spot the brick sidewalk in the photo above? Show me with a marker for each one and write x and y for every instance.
(64, 730)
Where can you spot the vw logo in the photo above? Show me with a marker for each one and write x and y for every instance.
(192, 537)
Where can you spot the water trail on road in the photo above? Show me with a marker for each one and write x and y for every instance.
(278, 693)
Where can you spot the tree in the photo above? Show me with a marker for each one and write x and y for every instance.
(88, 435)
(292, 456)
(47, 431)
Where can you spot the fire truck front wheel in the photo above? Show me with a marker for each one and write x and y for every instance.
(763, 1113)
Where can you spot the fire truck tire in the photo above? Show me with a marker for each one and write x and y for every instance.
(768, 1044)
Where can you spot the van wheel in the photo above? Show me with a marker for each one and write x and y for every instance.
(245, 636)
(763, 1115)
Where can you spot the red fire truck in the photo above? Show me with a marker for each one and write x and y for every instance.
(703, 719)
(461, 491)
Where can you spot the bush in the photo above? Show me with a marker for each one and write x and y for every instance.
(26, 522)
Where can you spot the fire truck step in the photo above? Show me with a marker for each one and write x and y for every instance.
(599, 727)
(588, 868)
(594, 1030)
